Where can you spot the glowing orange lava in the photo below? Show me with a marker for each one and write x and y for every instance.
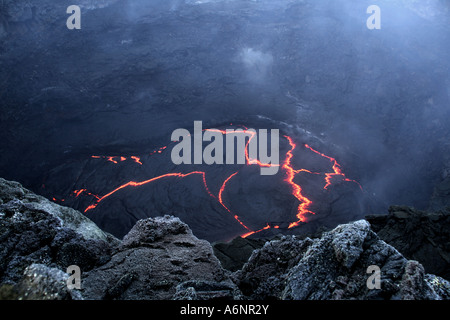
(297, 191)
(117, 159)
(159, 150)
(137, 160)
(251, 134)
(79, 192)
(336, 170)
(222, 189)
(138, 184)
(303, 209)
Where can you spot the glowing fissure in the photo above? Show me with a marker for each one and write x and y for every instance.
(251, 134)
(297, 191)
(78, 193)
(303, 209)
(117, 159)
(336, 170)
(222, 189)
(138, 184)
(159, 150)
(245, 235)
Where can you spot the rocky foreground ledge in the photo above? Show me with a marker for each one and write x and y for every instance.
(160, 258)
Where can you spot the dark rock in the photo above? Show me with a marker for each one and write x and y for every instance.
(118, 288)
(150, 231)
(263, 276)
(8, 292)
(35, 231)
(156, 256)
(43, 283)
(157, 91)
(160, 258)
(206, 290)
(234, 254)
(418, 235)
(65, 217)
(335, 267)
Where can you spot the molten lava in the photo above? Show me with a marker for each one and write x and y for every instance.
(136, 159)
(222, 189)
(138, 184)
(297, 191)
(303, 209)
(116, 159)
(336, 170)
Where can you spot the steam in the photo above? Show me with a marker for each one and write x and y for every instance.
(256, 63)
(383, 95)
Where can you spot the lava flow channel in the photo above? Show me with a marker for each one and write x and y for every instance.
(138, 184)
(236, 217)
(297, 191)
(220, 199)
(337, 171)
(251, 134)
(304, 208)
(116, 159)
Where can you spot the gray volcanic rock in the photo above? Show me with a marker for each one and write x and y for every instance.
(148, 231)
(155, 257)
(234, 254)
(43, 283)
(335, 267)
(264, 275)
(206, 290)
(160, 258)
(419, 235)
(66, 217)
(34, 230)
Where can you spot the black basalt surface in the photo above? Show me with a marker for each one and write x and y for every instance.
(374, 100)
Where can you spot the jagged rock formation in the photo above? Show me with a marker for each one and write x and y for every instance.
(40, 239)
(154, 260)
(41, 282)
(418, 235)
(160, 258)
(35, 230)
(335, 267)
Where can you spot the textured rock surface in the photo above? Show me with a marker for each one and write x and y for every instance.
(66, 217)
(234, 254)
(335, 267)
(264, 275)
(206, 290)
(43, 283)
(418, 235)
(34, 230)
(160, 258)
(156, 256)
